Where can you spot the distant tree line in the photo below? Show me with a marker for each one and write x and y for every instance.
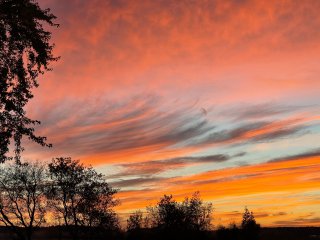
(249, 229)
(75, 197)
(190, 219)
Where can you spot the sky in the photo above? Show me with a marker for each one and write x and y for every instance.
(173, 97)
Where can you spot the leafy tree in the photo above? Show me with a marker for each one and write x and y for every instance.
(22, 198)
(170, 214)
(135, 221)
(197, 214)
(249, 226)
(135, 228)
(191, 214)
(170, 219)
(81, 196)
(25, 53)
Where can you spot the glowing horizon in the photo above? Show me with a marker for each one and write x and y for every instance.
(173, 97)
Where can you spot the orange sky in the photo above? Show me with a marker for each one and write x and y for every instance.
(179, 96)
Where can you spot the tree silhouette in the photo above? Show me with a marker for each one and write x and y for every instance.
(135, 228)
(81, 196)
(135, 221)
(250, 228)
(170, 215)
(25, 53)
(191, 214)
(174, 220)
(197, 214)
(22, 198)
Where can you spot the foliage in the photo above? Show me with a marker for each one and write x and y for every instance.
(22, 197)
(135, 221)
(197, 214)
(25, 53)
(249, 226)
(80, 195)
(192, 214)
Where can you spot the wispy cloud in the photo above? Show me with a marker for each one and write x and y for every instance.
(260, 111)
(136, 181)
(158, 166)
(254, 132)
(299, 222)
(308, 154)
(143, 128)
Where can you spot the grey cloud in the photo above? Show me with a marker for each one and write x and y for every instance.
(158, 166)
(240, 113)
(228, 179)
(311, 153)
(281, 133)
(100, 126)
(135, 182)
(106, 127)
(238, 134)
(299, 221)
(280, 214)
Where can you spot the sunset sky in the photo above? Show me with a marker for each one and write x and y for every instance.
(172, 97)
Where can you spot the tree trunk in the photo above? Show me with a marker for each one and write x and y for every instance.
(29, 234)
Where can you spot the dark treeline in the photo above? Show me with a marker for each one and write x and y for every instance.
(80, 203)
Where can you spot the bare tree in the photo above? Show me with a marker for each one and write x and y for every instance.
(22, 197)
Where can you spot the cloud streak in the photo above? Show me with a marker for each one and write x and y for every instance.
(140, 126)
(159, 166)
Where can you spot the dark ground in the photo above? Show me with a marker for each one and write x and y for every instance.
(290, 233)
(283, 233)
